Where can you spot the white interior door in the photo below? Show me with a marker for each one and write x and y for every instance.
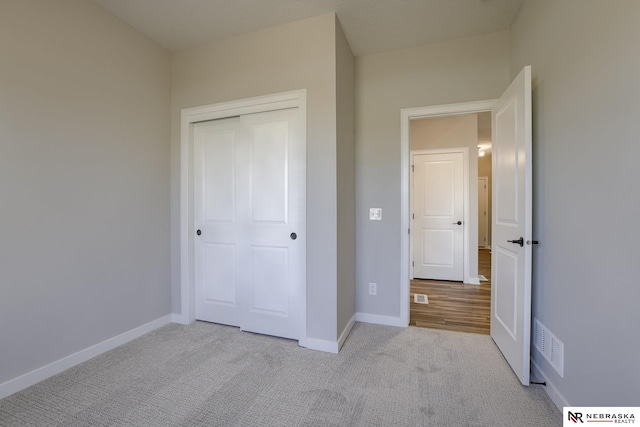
(511, 240)
(437, 217)
(483, 212)
(249, 198)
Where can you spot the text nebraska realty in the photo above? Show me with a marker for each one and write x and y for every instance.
(602, 417)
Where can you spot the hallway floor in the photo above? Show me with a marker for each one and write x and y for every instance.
(453, 305)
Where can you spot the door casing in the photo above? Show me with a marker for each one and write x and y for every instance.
(190, 116)
(406, 115)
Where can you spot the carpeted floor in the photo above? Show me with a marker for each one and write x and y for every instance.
(211, 375)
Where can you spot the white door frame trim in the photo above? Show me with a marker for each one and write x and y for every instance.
(465, 200)
(406, 115)
(189, 117)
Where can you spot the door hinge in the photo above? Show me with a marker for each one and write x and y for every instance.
(411, 168)
(408, 231)
(413, 216)
(413, 264)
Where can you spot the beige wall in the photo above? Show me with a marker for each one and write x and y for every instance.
(445, 132)
(84, 181)
(468, 69)
(454, 132)
(586, 104)
(288, 57)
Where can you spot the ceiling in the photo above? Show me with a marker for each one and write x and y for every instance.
(370, 25)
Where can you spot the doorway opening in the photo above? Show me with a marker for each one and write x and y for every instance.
(442, 245)
(412, 119)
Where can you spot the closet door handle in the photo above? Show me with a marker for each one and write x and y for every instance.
(293, 236)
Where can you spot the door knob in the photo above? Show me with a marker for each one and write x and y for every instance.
(457, 223)
(199, 232)
(293, 236)
(519, 241)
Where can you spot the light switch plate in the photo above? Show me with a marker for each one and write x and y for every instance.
(375, 214)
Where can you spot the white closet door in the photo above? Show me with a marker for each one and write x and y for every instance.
(274, 274)
(251, 215)
(219, 227)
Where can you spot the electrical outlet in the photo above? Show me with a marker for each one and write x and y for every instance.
(373, 289)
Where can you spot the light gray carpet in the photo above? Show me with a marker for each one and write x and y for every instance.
(210, 375)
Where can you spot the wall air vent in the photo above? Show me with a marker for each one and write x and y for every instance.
(420, 299)
(549, 346)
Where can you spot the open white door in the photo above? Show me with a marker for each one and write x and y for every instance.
(511, 232)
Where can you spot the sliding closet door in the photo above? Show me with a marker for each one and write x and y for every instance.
(249, 213)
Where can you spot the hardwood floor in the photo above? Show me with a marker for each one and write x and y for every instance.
(453, 305)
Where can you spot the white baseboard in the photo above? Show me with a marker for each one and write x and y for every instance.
(473, 281)
(346, 331)
(329, 346)
(322, 345)
(380, 320)
(552, 391)
(30, 378)
(179, 318)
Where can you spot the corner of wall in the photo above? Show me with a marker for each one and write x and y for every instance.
(345, 180)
